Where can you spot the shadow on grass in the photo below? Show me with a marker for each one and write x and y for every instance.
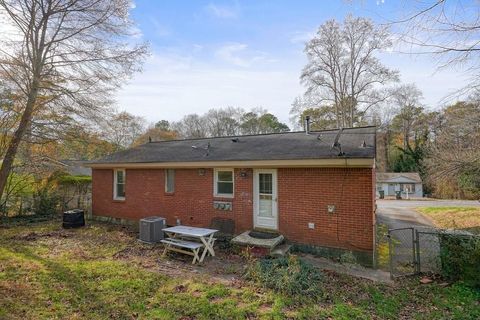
(85, 287)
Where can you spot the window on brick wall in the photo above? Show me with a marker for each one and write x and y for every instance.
(224, 183)
(119, 184)
(169, 180)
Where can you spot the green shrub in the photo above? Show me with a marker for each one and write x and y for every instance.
(460, 257)
(45, 203)
(348, 258)
(290, 276)
(74, 180)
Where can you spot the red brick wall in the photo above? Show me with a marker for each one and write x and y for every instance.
(303, 196)
(192, 201)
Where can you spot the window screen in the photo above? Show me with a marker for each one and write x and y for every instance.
(119, 184)
(224, 182)
(169, 180)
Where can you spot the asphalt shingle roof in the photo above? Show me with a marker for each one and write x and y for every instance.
(277, 146)
(387, 176)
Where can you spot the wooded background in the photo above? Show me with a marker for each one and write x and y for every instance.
(64, 61)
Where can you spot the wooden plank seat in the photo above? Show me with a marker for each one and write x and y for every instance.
(187, 238)
(179, 245)
(202, 236)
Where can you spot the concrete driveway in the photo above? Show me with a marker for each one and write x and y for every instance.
(402, 214)
(398, 214)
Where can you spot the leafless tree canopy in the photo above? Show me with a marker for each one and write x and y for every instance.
(64, 60)
(343, 71)
(447, 29)
(407, 99)
(228, 122)
(456, 148)
(122, 129)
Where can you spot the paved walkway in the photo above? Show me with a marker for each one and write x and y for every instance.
(353, 270)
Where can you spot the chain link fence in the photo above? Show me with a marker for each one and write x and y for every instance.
(419, 250)
(427, 250)
(401, 245)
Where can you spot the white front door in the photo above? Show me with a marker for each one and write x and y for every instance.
(265, 213)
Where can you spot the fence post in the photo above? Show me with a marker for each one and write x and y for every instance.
(390, 254)
(417, 251)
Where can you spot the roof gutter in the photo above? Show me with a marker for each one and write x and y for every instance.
(306, 163)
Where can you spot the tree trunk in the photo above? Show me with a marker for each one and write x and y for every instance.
(7, 163)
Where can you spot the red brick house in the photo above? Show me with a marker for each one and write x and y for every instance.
(316, 189)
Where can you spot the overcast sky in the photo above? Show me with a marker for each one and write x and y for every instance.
(211, 54)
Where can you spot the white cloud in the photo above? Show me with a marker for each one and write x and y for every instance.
(422, 70)
(224, 12)
(173, 86)
(239, 55)
(301, 36)
(197, 48)
(8, 30)
(159, 29)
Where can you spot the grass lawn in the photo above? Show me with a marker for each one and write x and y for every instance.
(467, 218)
(101, 272)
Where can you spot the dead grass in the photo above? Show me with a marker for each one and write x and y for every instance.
(103, 272)
(453, 217)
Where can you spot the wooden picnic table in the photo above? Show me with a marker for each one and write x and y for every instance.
(203, 234)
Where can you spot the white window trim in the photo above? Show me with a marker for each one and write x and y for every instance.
(215, 180)
(166, 180)
(115, 183)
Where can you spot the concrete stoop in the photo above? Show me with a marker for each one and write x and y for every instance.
(281, 250)
(260, 246)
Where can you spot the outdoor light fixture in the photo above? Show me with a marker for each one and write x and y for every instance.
(201, 172)
(243, 174)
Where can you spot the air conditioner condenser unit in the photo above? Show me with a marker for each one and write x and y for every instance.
(151, 229)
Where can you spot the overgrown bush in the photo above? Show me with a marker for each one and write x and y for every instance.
(460, 257)
(16, 199)
(45, 203)
(290, 276)
(348, 258)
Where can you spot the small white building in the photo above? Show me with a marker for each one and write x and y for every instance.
(409, 183)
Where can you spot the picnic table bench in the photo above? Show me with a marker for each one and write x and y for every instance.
(182, 239)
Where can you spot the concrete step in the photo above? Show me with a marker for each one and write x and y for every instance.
(245, 239)
(280, 251)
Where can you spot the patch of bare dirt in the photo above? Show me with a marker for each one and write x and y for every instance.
(265, 308)
(33, 236)
(180, 288)
(133, 251)
(225, 267)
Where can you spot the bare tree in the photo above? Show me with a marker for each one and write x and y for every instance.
(228, 122)
(8, 119)
(407, 99)
(223, 122)
(122, 129)
(191, 126)
(447, 29)
(454, 155)
(343, 70)
(64, 56)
